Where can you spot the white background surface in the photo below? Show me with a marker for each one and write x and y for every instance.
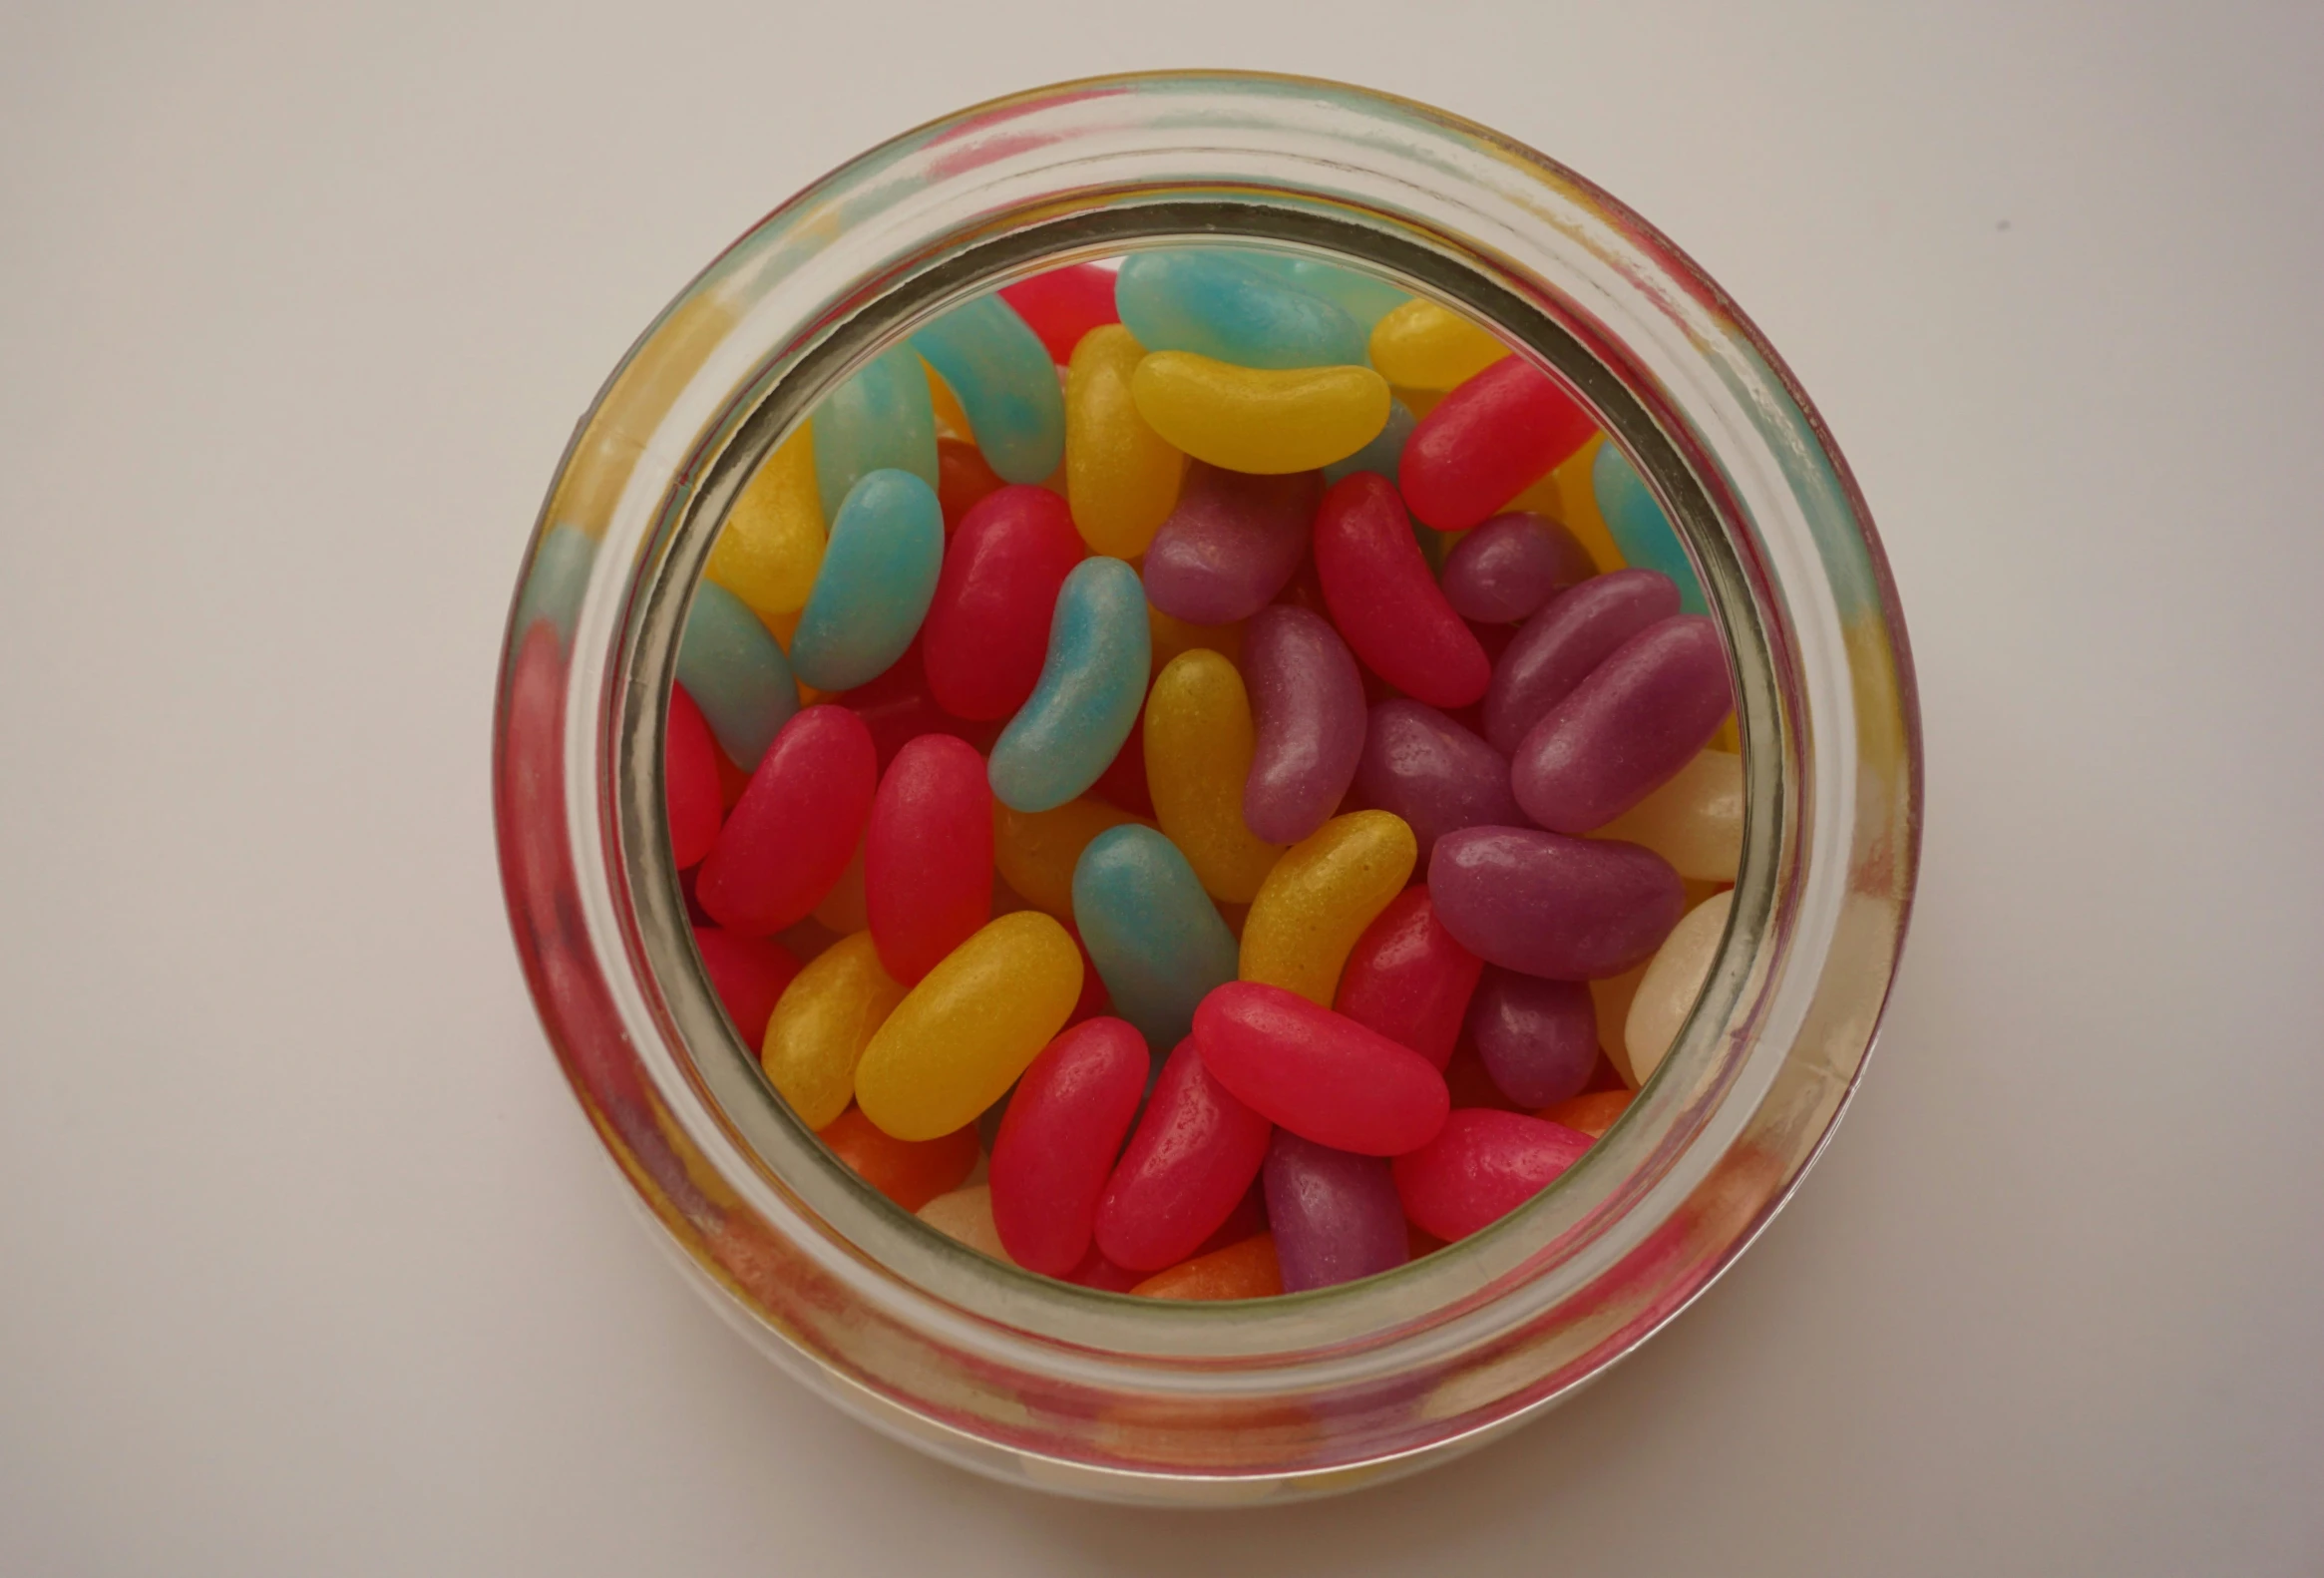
(309, 1263)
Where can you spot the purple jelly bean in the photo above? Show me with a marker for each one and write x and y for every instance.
(1307, 706)
(1334, 1216)
(1558, 648)
(1543, 903)
(1233, 543)
(1537, 1038)
(1434, 773)
(1507, 568)
(1626, 730)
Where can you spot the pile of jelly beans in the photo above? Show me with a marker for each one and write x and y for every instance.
(1203, 775)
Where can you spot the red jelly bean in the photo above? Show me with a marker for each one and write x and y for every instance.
(1385, 603)
(1065, 304)
(691, 781)
(897, 707)
(1488, 441)
(1189, 1165)
(927, 855)
(987, 630)
(796, 826)
(1058, 1140)
(1095, 1271)
(963, 479)
(748, 973)
(1318, 1073)
(1481, 1166)
(1408, 977)
(1124, 783)
(1094, 998)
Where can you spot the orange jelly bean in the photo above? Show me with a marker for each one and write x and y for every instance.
(1248, 1270)
(909, 1172)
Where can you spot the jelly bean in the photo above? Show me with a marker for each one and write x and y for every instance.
(1434, 773)
(1386, 601)
(1096, 1000)
(1170, 636)
(1409, 978)
(1694, 820)
(1124, 783)
(1481, 1166)
(768, 550)
(1152, 932)
(1385, 454)
(1672, 980)
(1591, 1113)
(796, 826)
(1627, 729)
(952, 422)
(898, 708)
(878, 575)
(1611, 998)
(909, 1172)
(1122, 476)
(1199, 741)
(1037, 850)
(1570, 908)
(1470, 1084)
(1318, 1073)
(1092, 681)
(927, 855)
(1231, 544)
(749, 974)
(989, 625)
(1537, 1038)
(1247, 419)
(1504, 428)
(555, 581)
(689, 775)
(1638, 525)
(1247, 1220)
(1190, 1159)
(1063, 304)
(963, 479)
(735, 674)
(1567, 497)
(1334, 1214)
(826, 1018)
(1221, 305)
(1421, 345)
(1007, 383)
(844, 909)
(1320, 898)
(961, 1037)
(881, 419)
(1562, 643)
(1364, 297)
(1307, 710)
(1058, 1140)
(1095, 1271)
(1245, 1270)
(966, 1217)
(1507, 568)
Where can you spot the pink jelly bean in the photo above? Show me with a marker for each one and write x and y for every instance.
(1189, 1165)
(748, 973)
(1570, 908)
(1481, 1166)
(1434, 773)
(1626, 730)
(927, 855)
(1384, 600)
(1537, 1038)
(691, 781)
(1488, 441)
(897, 707)
(989, 627)
(1318, 1073)
(1063, 304)
(1507, 568)
(1058, 1140)
(1307, 706)
(796, 826)
(1336, 1216)
(1409, 978)
(1231, 544)
(1558, 648)
(1095, 1271)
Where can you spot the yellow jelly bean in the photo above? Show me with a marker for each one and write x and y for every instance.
(961, 1037)
(1199, 740)
(1694, 820)
(1421, 401)
(1672, 980)
(965, 1216)
(1256, 419)
(772, 544)
(1121, 478)
(821, 1026)
(1320, 896)
(1421, 345)
(1569, 497)
(1036, 850)
(1611, 999)
(1169, 636)
(951, 420)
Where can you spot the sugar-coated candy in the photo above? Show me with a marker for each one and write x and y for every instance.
(844, 907)
(1384, 453)
(1318, 1073)
(772, 544)
(1153, 932)
(1363, 298)
(1538, 1038)
(1036, 850)
(1246, 1269)
(1308, 717)
(1409, 978)
(1334, 1214)
(1386, 601)
(735, 673)
(1231, 544)
(1672, 980)
(898, 708)
(988, 626)
(1093, 679)
(792, 831)
(881, 419)
(966, 1217)
(1063, 304)
(1007, 383)
(1561, 644)
(1189, 1162)
(951, 422)
(1638, 525)
(1504, 428)
(1121, 476)
(749, 973)
(689, 775)
(1481, 1166)
(1095, 1271)
(1222, 304)
(1571, 909)
(1199, 743)
(816, 1037)
(927, 855)
(1612, 996)
(1320, 898)
(1064, 1127)
(878, 575)
(1257, 419)
(1507, 568)
(963, 479)
(909, 1172)
(1627, 729)
(1593, 1112)
(1694, 820)
(961, 1036)
(1434, 773)
(1421, 345)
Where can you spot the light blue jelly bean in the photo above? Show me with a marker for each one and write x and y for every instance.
(878, 578)
(1639, 527)
(1092, 681)
(1153, 933)
(882, 418)
(736, 674)
(1007, 384)
(1221, 306)
(1364, 297)
(1384, 453)
(555, 581)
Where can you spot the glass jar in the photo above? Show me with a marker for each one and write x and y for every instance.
(1040, 1382)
